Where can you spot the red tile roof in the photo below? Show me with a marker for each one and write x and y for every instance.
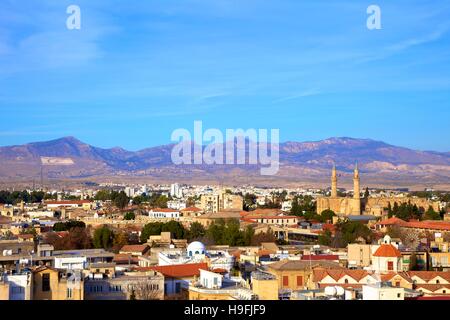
(316, 257)
(387, 250)
(134, 248)
(191, 209)
(181, 270)
(124, 258)
(427, 224)
(68, 202)
(163, 210)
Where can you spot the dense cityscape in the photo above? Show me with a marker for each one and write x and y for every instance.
(189, 242)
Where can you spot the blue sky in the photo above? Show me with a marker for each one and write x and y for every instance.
(137, 70)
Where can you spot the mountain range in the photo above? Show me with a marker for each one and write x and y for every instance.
(380, 164)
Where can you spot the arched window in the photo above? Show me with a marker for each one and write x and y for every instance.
(346, 281)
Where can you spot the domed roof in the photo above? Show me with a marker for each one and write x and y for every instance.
(387, 250)
(196, 246)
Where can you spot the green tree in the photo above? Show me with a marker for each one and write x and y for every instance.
(366, 193)
(151, 229)
(430, 214)
(121, 200)
(196, 231)
(325, 238)
(66, 226)
(327, 215)
(129, 216)
(216, 231)
(103, 238)
(175, 228)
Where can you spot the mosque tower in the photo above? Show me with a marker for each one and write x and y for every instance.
(333, 182)
(356, 189)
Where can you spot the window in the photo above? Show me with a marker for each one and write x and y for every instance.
(437, 281)
(285, 281)
(46, 282)
(398, 295)
(299, 281)
(346, 280)
(390, 265)
(397, 283)
(177, 287)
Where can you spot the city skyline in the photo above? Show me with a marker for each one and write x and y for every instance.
(132, 75)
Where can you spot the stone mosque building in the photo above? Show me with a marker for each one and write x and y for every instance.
(346, 206)
(341, 205)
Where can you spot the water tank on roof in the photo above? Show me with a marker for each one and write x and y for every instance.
(339, 291)
(330, 291)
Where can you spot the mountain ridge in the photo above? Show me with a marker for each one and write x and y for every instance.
(305, 160)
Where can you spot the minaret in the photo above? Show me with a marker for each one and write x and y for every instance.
(356, 190)
(333, 182)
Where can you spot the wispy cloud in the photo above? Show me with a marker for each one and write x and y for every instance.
(307, 93)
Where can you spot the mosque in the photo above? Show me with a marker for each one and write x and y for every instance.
(374, 206)
(341, 205)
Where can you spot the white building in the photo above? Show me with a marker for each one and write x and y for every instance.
(130, 192)
(210, 280)
(164, 213)
(176, 204)
(387, 258)
(382, 292)
(19, 286)
(176, 191)
(286, 206)
(197, 253)
(71, 263)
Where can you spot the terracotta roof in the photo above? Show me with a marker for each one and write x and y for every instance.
(134, 248)
(261, 212)
(68, 202)
(302, 265)
(433, 287)
(181, 270)
(315, 257)
(193, 209)
(123, 258)
(387, 250)
(163, 210)
(336, 274)
(427, 224)
(391, 221)
(430, 275)
(270, 217)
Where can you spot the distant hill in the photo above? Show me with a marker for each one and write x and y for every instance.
(309, 162)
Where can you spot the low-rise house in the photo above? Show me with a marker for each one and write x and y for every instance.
(177, 278)
(147, 285)
(135, 250)
(164, 213)
(214, 286)
(295, 274)
(16, 286)
(53, 284)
